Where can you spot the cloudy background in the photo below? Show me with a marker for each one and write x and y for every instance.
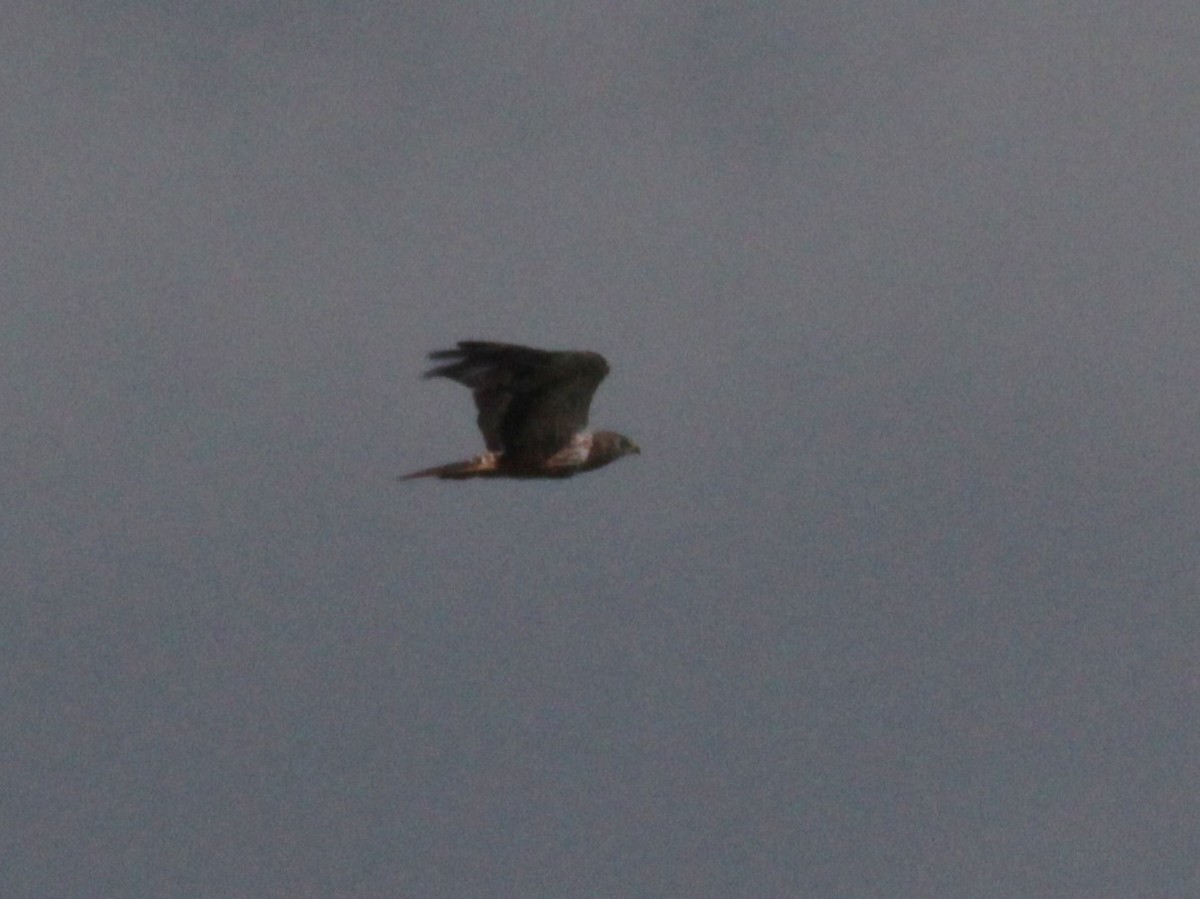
(901, 302)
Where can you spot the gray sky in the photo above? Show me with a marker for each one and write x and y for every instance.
(901, 302)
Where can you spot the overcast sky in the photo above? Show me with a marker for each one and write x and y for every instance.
(902, 303)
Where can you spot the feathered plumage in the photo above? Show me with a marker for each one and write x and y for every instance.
(533, 408)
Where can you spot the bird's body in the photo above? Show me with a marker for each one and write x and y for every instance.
(533, 408)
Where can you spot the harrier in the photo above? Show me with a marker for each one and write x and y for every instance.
(533, 408)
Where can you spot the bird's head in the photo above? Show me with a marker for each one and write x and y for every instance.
(608, 446)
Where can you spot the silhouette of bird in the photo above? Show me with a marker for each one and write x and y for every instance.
(533, 411)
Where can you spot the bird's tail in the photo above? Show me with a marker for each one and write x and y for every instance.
(474, 467)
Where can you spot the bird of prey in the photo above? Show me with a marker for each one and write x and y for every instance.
(533, 409)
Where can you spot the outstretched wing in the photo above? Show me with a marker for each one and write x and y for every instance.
(531, 402)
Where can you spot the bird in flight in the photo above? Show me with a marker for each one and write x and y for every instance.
(533, 409)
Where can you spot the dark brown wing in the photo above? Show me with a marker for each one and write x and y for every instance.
(531, 402)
